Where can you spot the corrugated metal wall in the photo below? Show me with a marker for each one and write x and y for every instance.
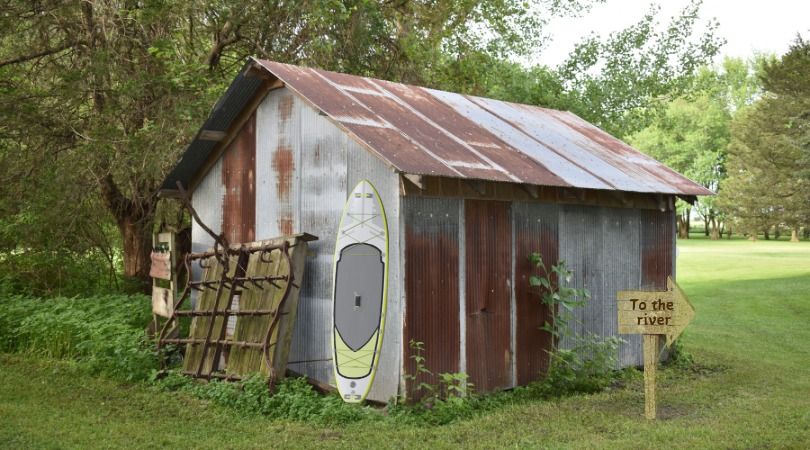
(306, 167)
(602, 248)
(432, 285)
(608, 250)
(488, 257)
(535, 226)
(238, 172)
(207, 200)
(657, 248)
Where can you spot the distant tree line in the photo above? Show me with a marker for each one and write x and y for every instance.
(744, 132)
(99, 98)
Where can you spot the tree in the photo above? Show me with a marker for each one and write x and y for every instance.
(692, 135)
(691, 138)
(100, 97)
(624, 82)
(769, 155)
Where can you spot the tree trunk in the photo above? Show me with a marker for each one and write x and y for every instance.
(794, 234)
(766, 234)
(715, 231)
(776, 232)
(134, 219)
(136, 236)
(706, 227)
(688, 216)
(728, 232)
(683, 230)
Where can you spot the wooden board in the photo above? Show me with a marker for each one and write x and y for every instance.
(244, 360)
(200, 324)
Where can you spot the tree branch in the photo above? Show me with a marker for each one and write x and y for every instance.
(120, 206)
(40, 54)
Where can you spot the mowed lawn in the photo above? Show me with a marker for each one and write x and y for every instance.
(750, 387)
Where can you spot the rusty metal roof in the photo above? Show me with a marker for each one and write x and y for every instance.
(429, 132)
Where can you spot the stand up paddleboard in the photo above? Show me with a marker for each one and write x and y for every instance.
(360, 281)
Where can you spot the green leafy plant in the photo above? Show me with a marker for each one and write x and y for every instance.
(451, 384)
(103, 334)
(678, 356)
(417, 356)
(560, 299)
(588, 365)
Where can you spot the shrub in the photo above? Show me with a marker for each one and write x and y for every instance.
(55, 273)
(678, 356)
(104, 334)
(588, 365)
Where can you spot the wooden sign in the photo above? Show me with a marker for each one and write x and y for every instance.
(654, 314)
(164, 277)
(162, 301)
(161, 266)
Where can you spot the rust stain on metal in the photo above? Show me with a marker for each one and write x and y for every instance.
(284, 165)
(533, 233)
(432, 311)
(657, 242)
(286, 225)
(285, 107)
(488, 254)
(421, 132)
(238, 178)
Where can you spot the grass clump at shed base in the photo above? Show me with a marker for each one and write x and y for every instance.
(746, 387)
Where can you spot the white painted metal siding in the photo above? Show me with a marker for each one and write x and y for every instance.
(327, 165)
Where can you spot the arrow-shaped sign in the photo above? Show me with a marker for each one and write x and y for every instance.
(654, 313)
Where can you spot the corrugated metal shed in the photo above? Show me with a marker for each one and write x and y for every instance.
(428, 132)
(284, 146)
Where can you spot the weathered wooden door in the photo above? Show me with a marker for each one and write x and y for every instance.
(488, 270)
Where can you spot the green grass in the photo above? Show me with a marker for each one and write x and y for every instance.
(750, 387)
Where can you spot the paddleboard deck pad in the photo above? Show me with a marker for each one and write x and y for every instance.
(360, 285)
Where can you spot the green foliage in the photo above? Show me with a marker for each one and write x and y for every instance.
(587, 367)
(692, 134)
(55, 273)
(293, 399)
(450, 384)
(622, 82)
(588, 364)
(678, 355)
(769, 155)
(103, 334)
(560, 298)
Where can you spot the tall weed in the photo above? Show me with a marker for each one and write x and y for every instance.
(104, 334)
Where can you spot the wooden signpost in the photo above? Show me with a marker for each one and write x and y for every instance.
(654, 314)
